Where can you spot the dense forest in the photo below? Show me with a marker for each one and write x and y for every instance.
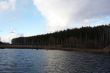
(86, 37)
(1, 43)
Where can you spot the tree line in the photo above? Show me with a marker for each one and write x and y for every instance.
(85, 37)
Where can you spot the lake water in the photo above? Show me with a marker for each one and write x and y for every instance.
(52, 61)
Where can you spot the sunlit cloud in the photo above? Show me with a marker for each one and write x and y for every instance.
(60, 14)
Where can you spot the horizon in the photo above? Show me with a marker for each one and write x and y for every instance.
(54, 32)
(34, 17)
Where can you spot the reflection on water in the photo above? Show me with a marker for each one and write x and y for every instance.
(52, 61)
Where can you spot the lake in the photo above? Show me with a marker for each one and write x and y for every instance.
(52, 61)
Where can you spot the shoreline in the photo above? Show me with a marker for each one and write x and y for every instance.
(105, 50)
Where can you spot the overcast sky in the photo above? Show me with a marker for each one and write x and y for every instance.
(33, 17)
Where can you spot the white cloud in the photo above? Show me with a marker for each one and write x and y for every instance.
(6, 5)
(9, 37)
(61, 13)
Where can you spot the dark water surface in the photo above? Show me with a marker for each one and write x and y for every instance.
(52, 61)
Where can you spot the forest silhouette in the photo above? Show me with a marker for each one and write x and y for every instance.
(85, 37)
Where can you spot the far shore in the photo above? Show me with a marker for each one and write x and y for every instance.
(55, 48)
(105, 51)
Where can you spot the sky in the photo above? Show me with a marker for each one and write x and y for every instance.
(34, 17)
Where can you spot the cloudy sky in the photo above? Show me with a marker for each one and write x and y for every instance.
(33, 17)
